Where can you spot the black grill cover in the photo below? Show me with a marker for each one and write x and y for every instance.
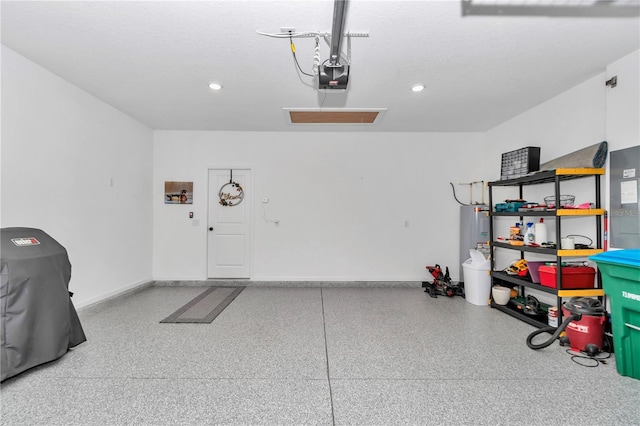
(39, 322)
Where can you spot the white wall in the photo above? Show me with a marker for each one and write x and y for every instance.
(583, 115)
(623, 102)
(570, 121)
(60, 147)
(341, 199)
(573, 120)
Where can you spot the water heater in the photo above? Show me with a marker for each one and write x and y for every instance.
(474, 231)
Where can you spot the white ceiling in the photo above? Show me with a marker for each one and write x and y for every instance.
(154, 60)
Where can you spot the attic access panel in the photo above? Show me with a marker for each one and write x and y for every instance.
(306, 116)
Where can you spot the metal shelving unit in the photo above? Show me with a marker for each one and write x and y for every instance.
(550, 176)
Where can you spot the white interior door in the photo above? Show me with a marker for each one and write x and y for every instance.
(229, 227)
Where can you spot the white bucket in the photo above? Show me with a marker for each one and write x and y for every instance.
(477, 282)
(567, 243)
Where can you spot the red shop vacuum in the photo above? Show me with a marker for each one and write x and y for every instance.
(584, 325)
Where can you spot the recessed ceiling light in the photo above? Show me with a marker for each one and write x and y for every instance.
(417, 88)
(215, 86)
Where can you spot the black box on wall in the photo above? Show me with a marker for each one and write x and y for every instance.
(520, 162)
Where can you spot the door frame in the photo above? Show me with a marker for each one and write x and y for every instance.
(250, 199)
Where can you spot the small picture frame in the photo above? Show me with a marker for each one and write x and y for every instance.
(178, 192)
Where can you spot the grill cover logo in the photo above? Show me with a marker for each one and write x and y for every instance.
(23, 242)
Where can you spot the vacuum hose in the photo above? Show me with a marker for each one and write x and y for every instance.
(555, 335)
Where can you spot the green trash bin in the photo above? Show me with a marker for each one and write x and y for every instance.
(621, 282)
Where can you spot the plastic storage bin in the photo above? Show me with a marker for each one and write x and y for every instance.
(534, 271)
(520, 162)
(572, 276)
(621, 282)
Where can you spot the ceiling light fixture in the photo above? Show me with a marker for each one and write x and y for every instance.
(417, 88)
(215, 86)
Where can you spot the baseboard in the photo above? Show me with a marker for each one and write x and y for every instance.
(131, 288)
(167, 280)
(287, 283)
(341, 279)
(181, 278)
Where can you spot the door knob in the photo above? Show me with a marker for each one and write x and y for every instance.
(211, 228)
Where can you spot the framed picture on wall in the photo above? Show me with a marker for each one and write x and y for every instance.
(178, 192)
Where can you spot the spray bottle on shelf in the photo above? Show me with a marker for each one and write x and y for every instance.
(540, 232)
(529, 235)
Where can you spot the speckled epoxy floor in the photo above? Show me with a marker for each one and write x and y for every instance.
(314, 355)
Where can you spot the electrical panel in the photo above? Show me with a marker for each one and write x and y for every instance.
(624, 206)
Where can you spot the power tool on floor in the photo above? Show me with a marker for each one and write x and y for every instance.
(442, 283)
(529, 305)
